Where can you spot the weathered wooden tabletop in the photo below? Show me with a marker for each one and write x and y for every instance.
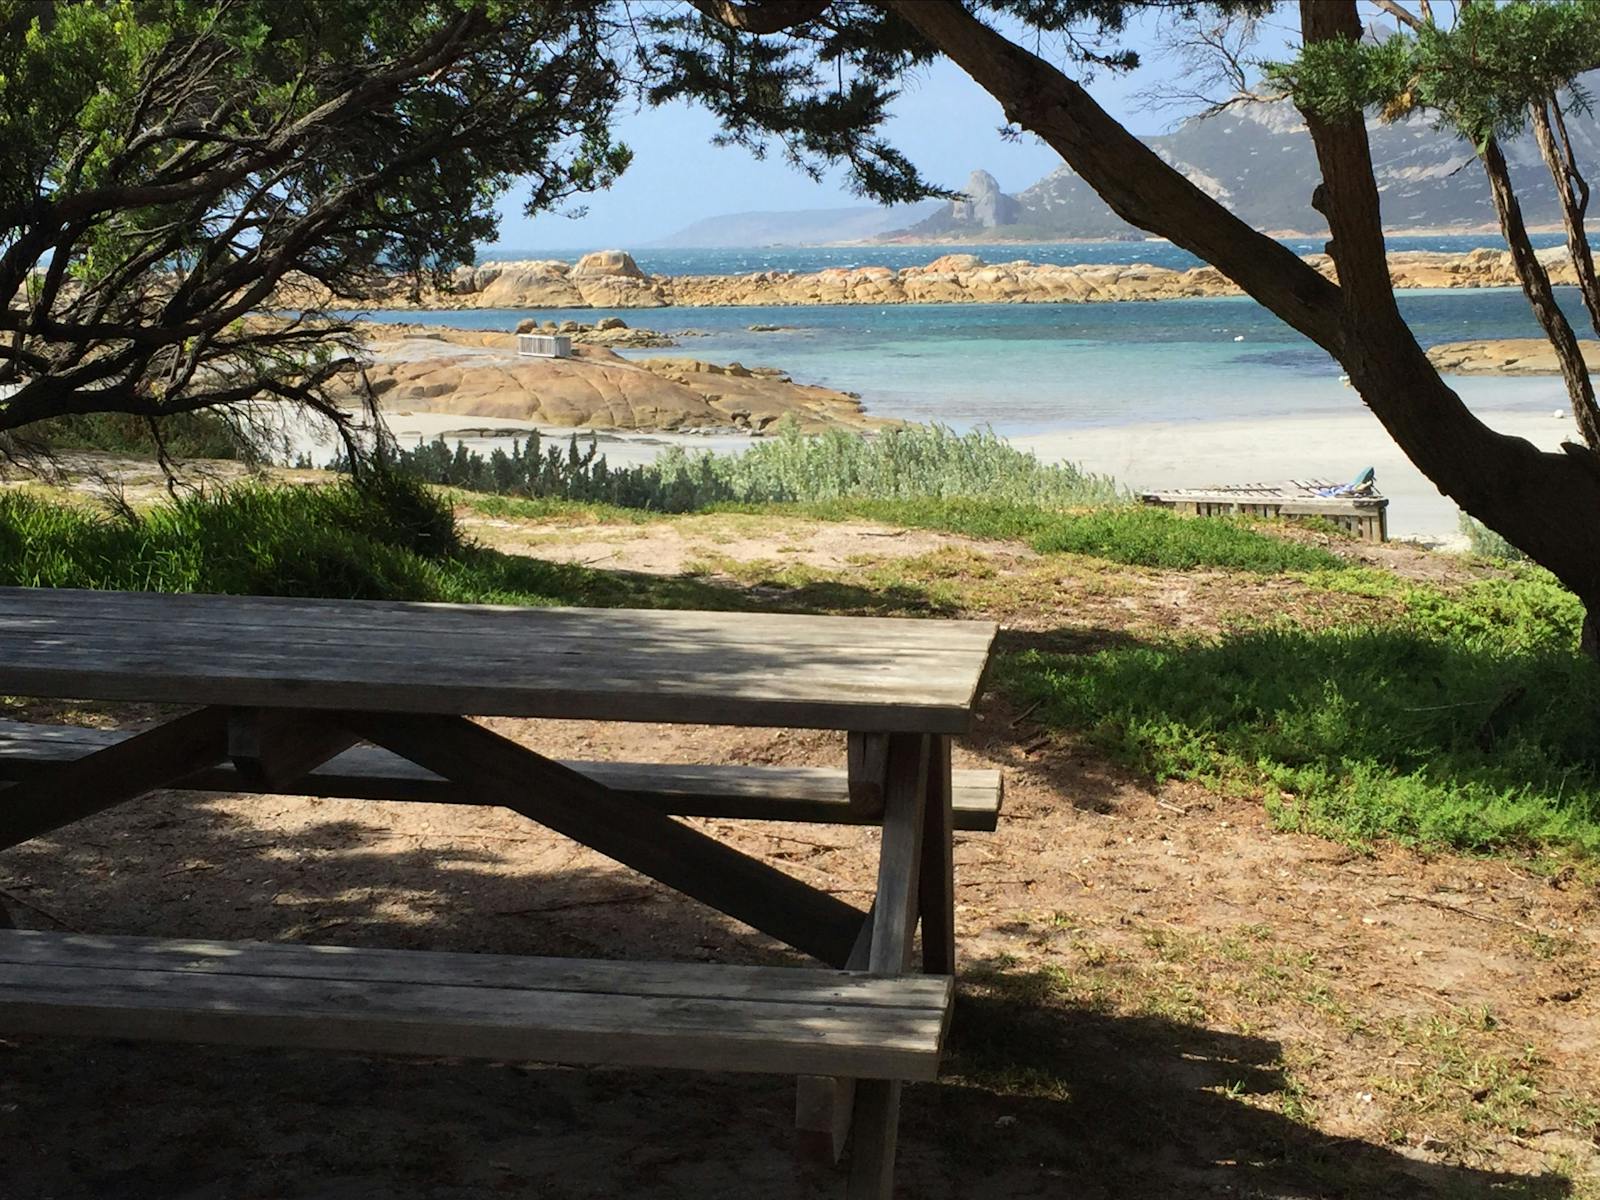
(856, 673)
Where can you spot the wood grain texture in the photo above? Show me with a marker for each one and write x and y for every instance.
(697, 1016)
(867, 758)
(815, 794)
(113, 774)
(274, 747)
(875, 1123)
(824, 1105)
(936, 881)
(894, 912)
(874, 1133)
(623, 829)
(865, 673)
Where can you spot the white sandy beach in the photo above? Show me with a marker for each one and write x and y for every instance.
(1336, 446)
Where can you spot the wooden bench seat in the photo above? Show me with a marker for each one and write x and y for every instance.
(780, 1020)
(369, 773)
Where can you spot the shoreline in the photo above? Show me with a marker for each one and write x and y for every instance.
(1178, 454)
(1169, 454)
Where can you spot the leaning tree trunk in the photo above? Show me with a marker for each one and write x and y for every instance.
(1572, 191)
(1535, 282)
(1544, 504)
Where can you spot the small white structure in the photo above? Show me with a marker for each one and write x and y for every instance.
(544, 345)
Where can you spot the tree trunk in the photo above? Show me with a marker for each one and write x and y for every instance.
(1535, 282)
(1572, 190)
(1544, 504)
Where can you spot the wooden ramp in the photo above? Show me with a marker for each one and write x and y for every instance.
(1364, 514)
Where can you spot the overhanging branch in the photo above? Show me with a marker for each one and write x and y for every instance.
(1139, 186)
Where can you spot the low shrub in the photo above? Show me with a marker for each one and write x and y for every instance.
(379, 538)
(927, 461)
(1132, 534)
(1486, 543)
(186, 435)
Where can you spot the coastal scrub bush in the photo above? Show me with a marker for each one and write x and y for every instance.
(387, 538)
(925, 461)
(1468, 722)
(1486, 543)
(184, 435)
(927, 476)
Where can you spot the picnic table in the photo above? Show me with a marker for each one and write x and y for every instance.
(373, 700)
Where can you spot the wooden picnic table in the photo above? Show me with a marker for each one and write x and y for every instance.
(280, 691)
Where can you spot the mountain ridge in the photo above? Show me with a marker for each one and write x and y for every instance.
(1258, 159)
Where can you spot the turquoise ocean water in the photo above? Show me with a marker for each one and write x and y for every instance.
(1027, 368)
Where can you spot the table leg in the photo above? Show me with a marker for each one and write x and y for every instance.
(823, 1104)
(875, 1124)
(937, 899)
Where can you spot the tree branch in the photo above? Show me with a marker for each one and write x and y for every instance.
(762, 16)
(1139, 186)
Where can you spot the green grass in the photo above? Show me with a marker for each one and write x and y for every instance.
(1462, 717)
(385, 538)
(1468, 722)
(1134, 535)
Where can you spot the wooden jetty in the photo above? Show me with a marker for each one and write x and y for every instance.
(1364, 513)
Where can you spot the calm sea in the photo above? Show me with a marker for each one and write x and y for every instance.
(739, 260)
(1026, 368)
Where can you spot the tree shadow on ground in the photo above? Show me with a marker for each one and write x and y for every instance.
(1040, 1099)
(1113, 1104)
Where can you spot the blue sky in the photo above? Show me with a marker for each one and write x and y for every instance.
(946, 123)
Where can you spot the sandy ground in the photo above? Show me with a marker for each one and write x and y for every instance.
(1198, 453)
(1163, 996)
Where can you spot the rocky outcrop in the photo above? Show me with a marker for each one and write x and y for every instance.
(1505, 356)
(478, 373)
(611, 279)
(609, 331)
(607, 264)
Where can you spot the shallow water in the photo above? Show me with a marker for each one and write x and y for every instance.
(1025, 368)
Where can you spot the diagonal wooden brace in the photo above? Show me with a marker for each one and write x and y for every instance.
(277, 747)
(125, 770)
(686, 860)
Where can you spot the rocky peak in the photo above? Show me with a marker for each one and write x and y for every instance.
(985, 205)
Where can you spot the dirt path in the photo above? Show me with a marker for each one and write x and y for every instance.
(1162, 996)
